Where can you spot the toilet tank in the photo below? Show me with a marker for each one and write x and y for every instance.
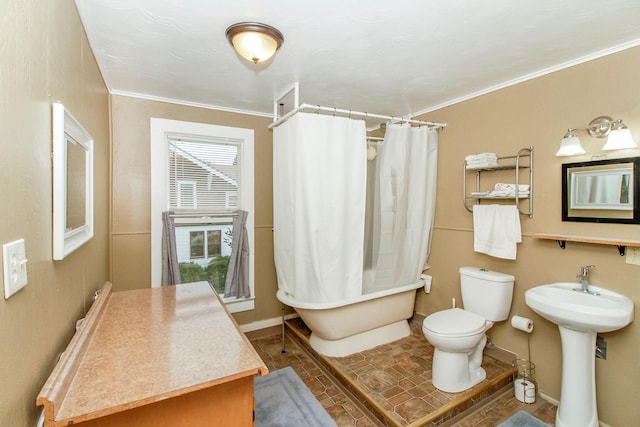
(487, 293)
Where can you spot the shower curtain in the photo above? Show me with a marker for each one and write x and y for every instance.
(403, 205)
(319, 166)
(320, 197)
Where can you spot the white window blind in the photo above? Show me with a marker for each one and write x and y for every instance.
(213, 167)
(187, 195)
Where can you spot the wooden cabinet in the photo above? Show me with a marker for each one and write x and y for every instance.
(170, 356)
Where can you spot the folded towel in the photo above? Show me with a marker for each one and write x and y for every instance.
(480, 164)
(481, 156)
(512, 187)
(475, 162)
(496, 230)
(507, 193)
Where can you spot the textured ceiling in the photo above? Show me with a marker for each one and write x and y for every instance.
(388, 57)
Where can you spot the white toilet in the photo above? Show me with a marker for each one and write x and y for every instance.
(458, 335)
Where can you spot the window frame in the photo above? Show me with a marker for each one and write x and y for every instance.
(160, 129)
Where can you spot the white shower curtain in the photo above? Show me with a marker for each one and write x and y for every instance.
(319, 169)
(404, 205)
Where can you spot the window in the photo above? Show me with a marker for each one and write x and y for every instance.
(214, 242)
(204, 173)
(201, 239)
(196, 243)
(187, 197)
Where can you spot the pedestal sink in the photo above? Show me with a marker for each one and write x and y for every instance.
(579, 316)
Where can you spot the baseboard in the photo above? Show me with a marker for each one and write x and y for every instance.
(266, 323)
(501, 354)
(549, 399)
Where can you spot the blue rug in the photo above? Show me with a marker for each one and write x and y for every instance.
(283, 400)
(523, 419)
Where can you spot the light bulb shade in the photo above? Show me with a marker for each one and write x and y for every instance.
(570, 146)
(254, 41)
(619, 138)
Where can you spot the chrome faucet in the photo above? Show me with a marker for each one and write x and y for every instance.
(584, 279)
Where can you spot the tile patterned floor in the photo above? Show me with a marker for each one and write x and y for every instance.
(501, 408)
(333, 399)
(391, 385)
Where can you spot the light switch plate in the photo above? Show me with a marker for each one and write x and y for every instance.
(14, 263)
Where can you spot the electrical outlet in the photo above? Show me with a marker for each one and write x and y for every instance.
(14, 263)
(633, 256)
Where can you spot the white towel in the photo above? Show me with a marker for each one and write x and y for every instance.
(502, 186)
(481, 164)
(496, 230)
(508, 193)
(481, 156)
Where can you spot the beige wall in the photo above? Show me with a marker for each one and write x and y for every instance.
(537, 113)
(131, 217)
(44, 57)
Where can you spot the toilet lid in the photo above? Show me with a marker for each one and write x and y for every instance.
(454, 321)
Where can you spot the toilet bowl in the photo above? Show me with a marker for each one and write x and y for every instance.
(459, 335)
(458, 338)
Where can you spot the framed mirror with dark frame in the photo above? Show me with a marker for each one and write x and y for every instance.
(606, 191)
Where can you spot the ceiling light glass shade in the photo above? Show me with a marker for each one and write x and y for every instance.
(254, 41)
(619, 138)
(570, 146)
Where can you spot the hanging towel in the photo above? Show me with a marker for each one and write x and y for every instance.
(496, 230)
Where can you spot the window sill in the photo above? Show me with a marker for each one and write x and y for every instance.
(238, 305)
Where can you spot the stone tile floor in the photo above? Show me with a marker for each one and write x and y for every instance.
(396, 380)
(342, 408)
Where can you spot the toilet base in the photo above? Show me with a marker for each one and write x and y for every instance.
(452, 373)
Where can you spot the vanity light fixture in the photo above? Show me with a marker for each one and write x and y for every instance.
(570, 145)
(619, 136)
(254, 41)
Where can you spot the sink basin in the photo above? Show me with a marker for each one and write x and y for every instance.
(580, 311)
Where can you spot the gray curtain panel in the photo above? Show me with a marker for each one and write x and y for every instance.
(237, 283)
(170, 269)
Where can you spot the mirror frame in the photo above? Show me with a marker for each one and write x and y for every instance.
(602, 216)
(64, 128)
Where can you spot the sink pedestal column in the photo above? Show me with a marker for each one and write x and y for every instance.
(577, 407)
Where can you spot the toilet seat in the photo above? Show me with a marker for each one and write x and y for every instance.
(454, 322)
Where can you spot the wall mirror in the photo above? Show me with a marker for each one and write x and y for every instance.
(72, 183)
(602, 191)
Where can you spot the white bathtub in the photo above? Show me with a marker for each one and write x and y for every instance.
(349, 326)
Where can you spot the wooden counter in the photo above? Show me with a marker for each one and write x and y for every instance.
(169, 356)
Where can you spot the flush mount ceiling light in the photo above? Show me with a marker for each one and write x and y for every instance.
(254, 41)
(600, 127)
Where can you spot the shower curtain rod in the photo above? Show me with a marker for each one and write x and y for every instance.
(349, 113)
